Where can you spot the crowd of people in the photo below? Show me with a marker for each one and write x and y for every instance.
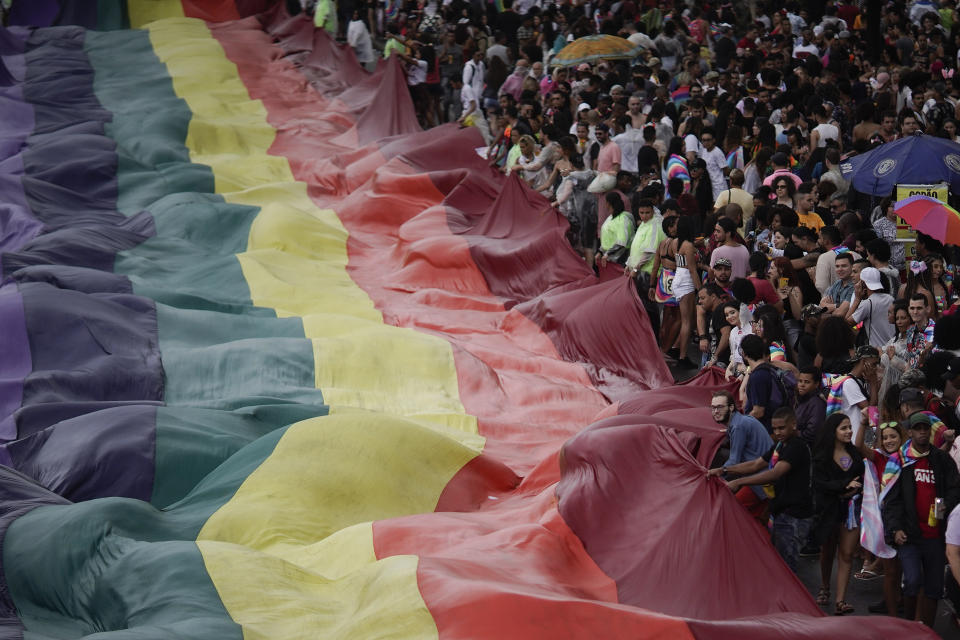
(706, 168)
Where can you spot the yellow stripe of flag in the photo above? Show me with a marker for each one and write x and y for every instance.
(292, 553)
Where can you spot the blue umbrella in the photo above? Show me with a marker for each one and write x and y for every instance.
(917, 159)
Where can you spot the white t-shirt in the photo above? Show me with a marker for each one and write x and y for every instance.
(629, 142)
(467, 95)
(716, 163)
(691, 144)
(473, 75)
(736, 335)
(953, 527)
(809, 49)
(873, 312)
(417, 73)
(850, 397)
(827, 132)
(359, 38)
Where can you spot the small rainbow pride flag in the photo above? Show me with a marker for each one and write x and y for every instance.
(680, 95)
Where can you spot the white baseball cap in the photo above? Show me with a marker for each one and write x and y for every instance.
(870, 276)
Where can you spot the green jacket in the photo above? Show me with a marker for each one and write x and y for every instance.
(617, 231)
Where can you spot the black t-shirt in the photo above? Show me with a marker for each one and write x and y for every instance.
(724, 49)
(647, 159)
(717, 322)
(806, 349)
(510, 21)
(793, 493)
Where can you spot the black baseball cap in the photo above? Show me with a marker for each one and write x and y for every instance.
(953, 370)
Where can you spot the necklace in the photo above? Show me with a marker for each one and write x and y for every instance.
(845, 462)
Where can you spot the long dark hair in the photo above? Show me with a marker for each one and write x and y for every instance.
(685, 231)
(823, 447)
(674, 148)
(919, 279)
(834, 338)
(767, 136)
(773, 329)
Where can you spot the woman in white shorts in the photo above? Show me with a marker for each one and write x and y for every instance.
(685, 282)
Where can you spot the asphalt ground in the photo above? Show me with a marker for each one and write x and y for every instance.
(862, 593)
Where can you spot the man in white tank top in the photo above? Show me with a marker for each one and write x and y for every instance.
(824, 130)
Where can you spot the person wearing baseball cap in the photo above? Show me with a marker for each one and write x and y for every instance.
(918, 500)
(723, 274)
(811, 311)
(810, 316)
(952, 373)
(856, 388)
(871, 302)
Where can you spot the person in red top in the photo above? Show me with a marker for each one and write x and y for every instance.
(848, 12)
(915, 513)
(765, 292)
(749, 40)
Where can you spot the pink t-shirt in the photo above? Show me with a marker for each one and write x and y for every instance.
(739, 257)
(609, 155)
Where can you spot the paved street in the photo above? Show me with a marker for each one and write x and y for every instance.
(861, 593)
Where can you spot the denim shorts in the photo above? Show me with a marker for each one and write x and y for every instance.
(923, 566)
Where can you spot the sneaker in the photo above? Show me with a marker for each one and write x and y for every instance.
(685, 363)
(674, 353)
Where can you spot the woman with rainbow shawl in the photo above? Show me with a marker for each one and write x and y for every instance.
(675, 164)
(891, 437)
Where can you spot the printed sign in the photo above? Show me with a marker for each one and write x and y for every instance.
(905, 233)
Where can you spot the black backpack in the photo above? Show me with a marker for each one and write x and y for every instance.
(785, 383)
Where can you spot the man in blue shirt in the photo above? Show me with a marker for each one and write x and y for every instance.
(839, 295)
(748, 437)
(749, 440)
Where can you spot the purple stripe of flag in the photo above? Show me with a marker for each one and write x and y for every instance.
(16, 364)
(17, 225)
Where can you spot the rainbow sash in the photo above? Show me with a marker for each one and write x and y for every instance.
(664, 290)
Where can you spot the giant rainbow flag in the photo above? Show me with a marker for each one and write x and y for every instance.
(276, 363)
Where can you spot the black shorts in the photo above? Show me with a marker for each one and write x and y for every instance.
(419, 93)
(435, 89)
(588, 232)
